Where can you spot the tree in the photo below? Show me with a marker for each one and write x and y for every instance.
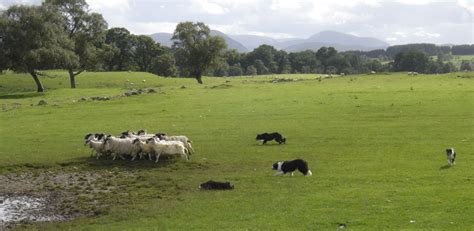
(411, 61)
(120, 50)
(34, 39)
(197, 48)
(86, 30)
(235, 70)
(251, 70)
(466, 65)
(164, 65)
(261, 68)
(145, 50)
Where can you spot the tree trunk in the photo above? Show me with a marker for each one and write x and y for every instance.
(199, 79)
(198, 76)
(72, 78)
(37, 81)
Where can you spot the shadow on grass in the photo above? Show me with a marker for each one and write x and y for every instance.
(94, 163)
(445, 167)
(21, 95)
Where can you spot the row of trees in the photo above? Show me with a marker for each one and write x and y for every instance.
(65, 34)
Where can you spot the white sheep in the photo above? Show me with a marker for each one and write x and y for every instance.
(185, 140)
(168, 148)
(120, 147)
(98, 146)
(146, 148)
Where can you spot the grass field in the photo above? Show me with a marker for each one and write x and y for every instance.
(375, 144)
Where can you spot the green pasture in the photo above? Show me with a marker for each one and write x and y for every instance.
(375, 144)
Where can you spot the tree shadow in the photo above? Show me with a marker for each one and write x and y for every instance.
(444, 167)
(21, 95)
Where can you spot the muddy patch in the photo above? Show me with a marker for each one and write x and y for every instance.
(49, 196)
(22, 209)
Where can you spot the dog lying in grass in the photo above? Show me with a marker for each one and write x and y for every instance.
(215, 185)
(265, 137)
(284, 167)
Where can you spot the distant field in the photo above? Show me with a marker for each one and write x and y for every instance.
(375, 144)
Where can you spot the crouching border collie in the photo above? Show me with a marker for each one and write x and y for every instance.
(451, 154)
(265, 137)
(215, 185)
(289, 166)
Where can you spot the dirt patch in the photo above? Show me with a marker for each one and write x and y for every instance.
(51, 196)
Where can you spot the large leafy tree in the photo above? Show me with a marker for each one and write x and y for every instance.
(411, 61)
(33, 39)
(119, 49)
(86, 30)
(196, 49)
(145, 51)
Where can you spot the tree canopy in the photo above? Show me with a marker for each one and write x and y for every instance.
(196, 48)
(33, 39)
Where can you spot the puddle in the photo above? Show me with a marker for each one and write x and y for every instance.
(24, 209)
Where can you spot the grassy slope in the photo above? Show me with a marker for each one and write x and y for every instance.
(375, 145)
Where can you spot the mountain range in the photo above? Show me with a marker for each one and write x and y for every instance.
(246, 43)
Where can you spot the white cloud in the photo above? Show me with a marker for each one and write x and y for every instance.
(391, 39)
(105, 5)
(421, 33)
(2, 7)
(152, 27)
(417, 2)
(211, 7)
(467, 4)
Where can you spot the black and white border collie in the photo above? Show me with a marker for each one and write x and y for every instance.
(451, 154)
(289, 166)
(265, 137)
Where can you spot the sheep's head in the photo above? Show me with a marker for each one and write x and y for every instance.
(101, 136)
(87, 136)
(136, 141)
(141, 132)
(127, 133)
(151, 140)
(160, 135)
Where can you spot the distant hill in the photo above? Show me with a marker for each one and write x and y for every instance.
(253, 41)
(245, 43)
(231, 43)
(340, 41)
(165, 39)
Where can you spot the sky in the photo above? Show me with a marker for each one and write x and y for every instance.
(393, 21)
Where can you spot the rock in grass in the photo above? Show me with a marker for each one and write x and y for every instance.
(42, 102)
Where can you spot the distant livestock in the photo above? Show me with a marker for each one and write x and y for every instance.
(412, 73)
(131, 145)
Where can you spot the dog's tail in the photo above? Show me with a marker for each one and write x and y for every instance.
(309, 173)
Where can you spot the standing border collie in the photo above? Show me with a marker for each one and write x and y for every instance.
(290, 166)
(265, 137)
(451, 154)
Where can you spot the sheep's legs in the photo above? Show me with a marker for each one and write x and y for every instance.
(157, 157)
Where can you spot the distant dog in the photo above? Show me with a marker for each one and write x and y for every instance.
(214, 185)
(290, 166)
(451, 154)
(271, 136)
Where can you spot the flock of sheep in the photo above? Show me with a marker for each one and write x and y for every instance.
(132, 145)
